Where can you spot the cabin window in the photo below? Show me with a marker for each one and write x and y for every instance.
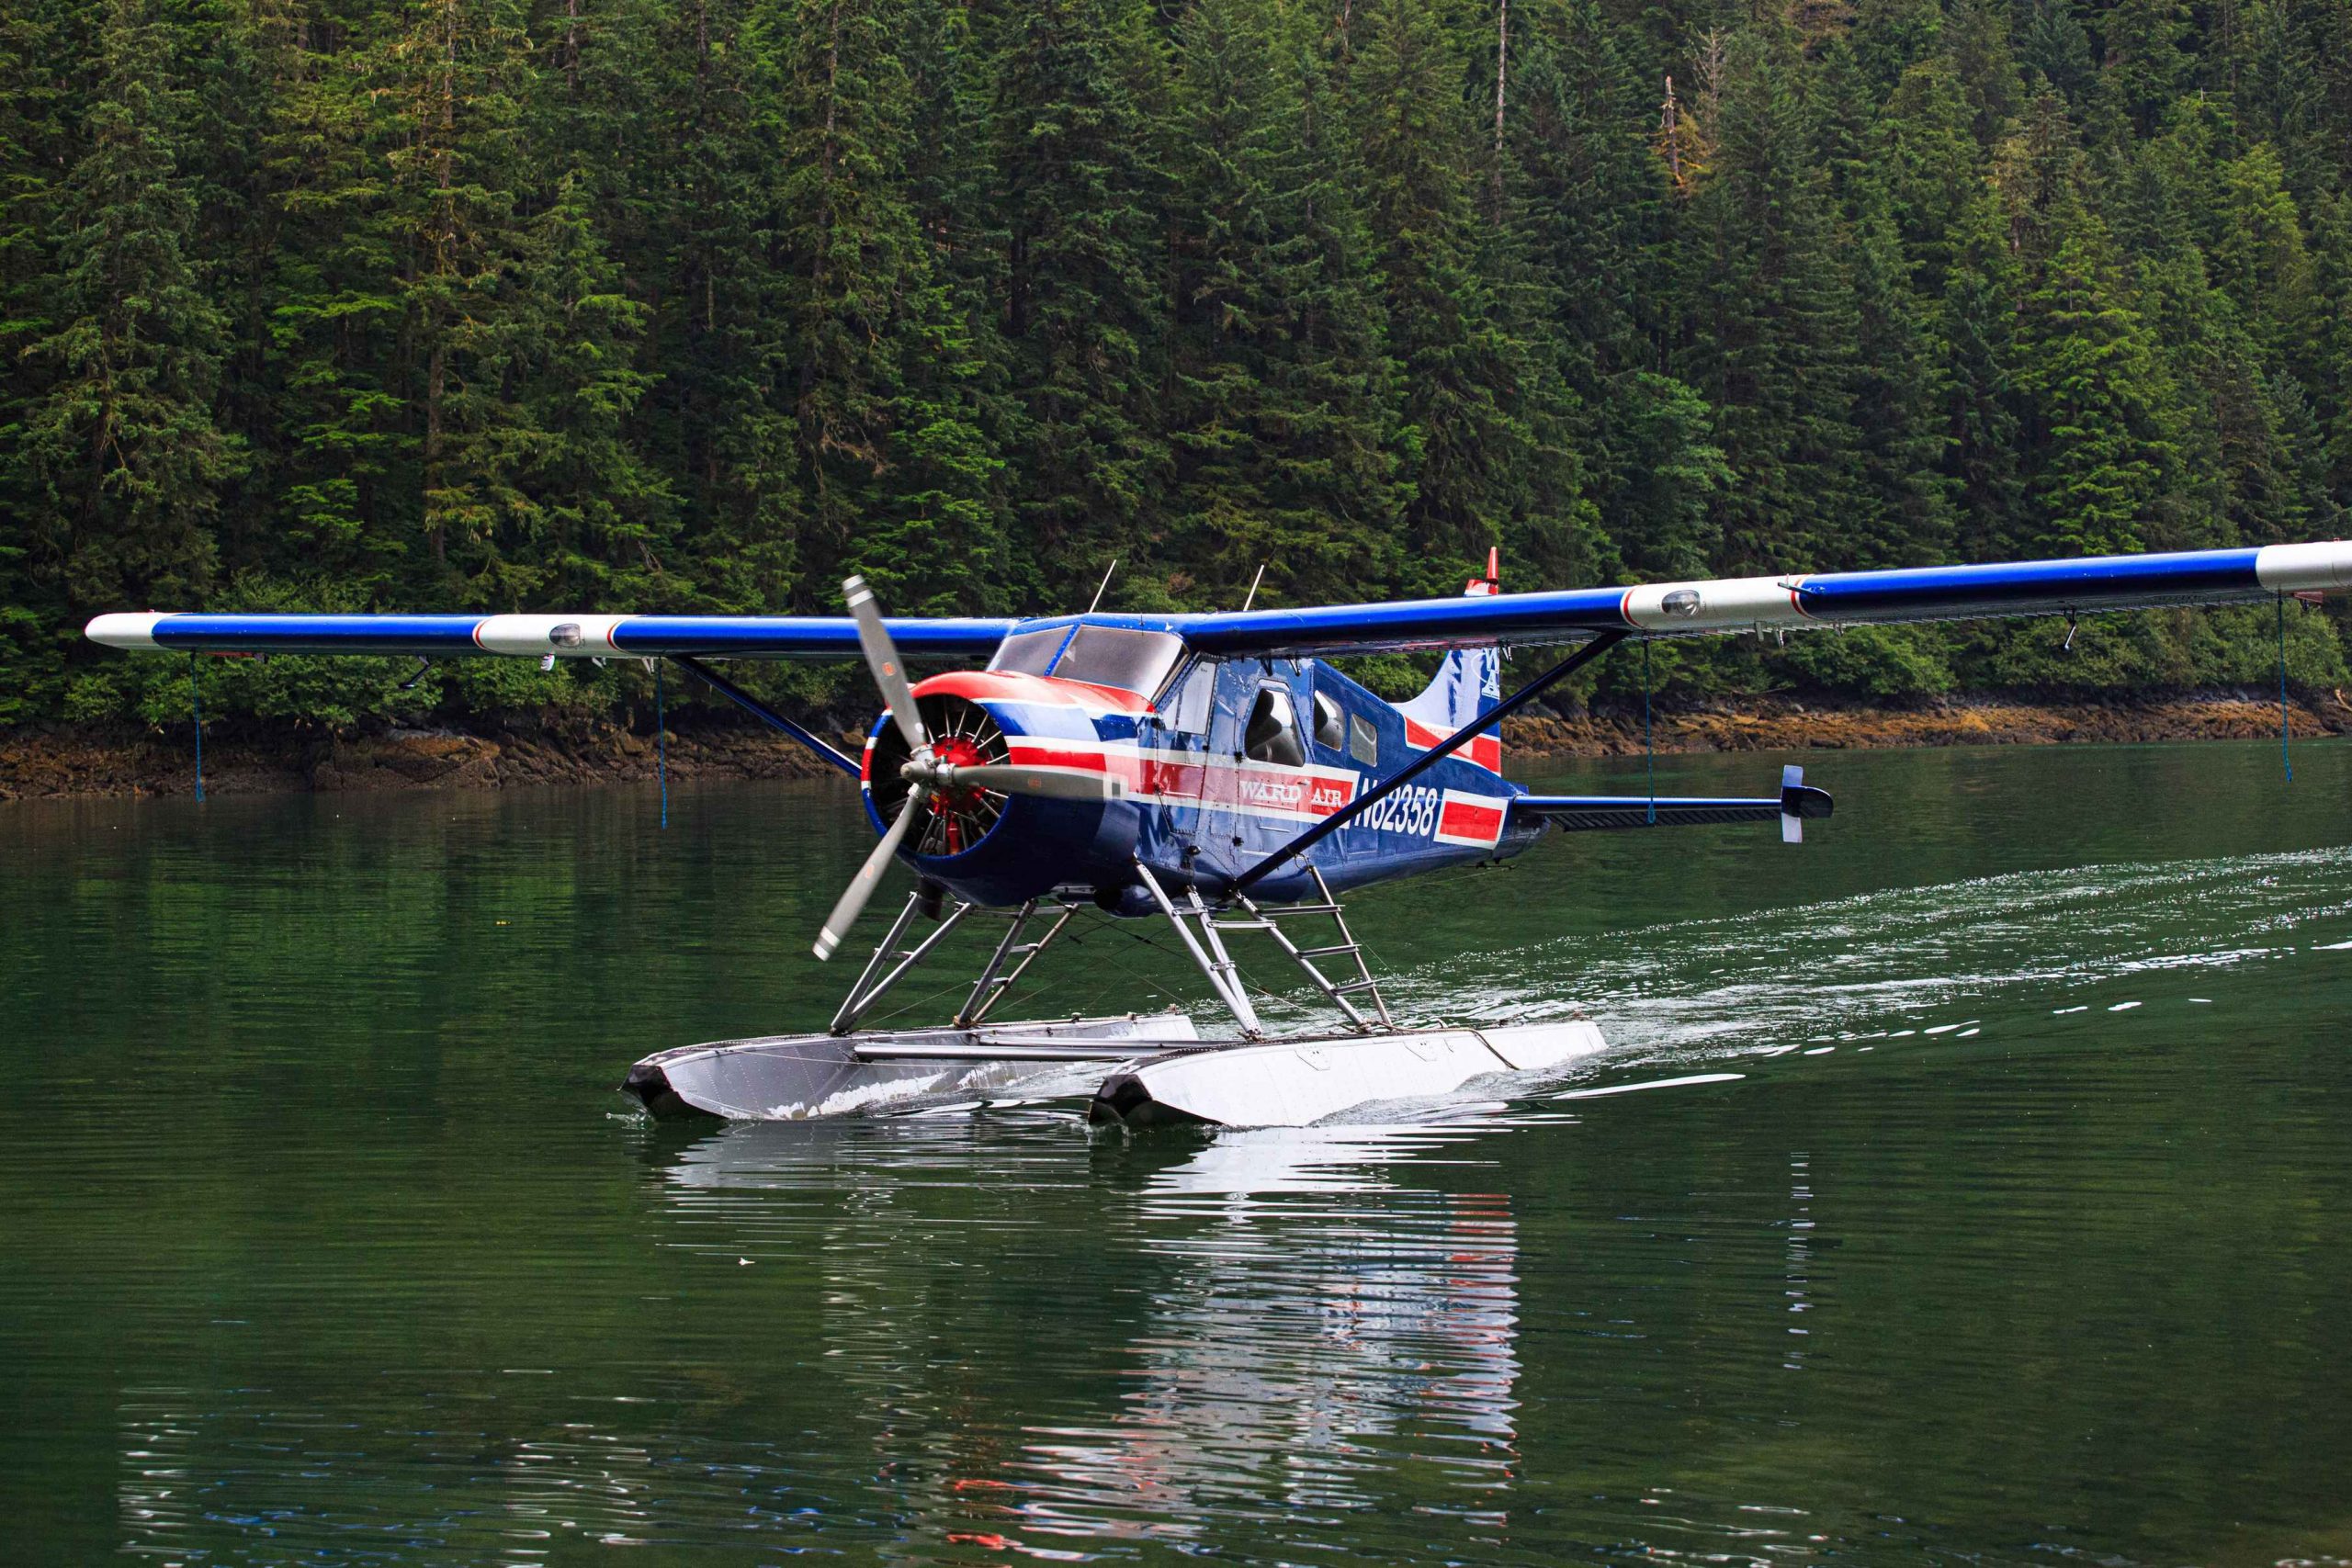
(1363, 741)
(1132, 660)
(1271, 735)
(1186, 710)
(1029, 653)
(1331, 724)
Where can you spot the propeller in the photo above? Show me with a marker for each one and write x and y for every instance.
(882, 658)
(861, 886)
(927, 772)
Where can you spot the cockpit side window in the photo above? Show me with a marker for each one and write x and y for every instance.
(1271, 735)
(1186, 708)
(1330, 724)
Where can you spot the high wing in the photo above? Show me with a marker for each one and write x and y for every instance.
(573, 635)
(2083, 585)
(2079, 586)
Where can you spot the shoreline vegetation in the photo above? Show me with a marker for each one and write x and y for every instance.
(249, 757)
(501, 305)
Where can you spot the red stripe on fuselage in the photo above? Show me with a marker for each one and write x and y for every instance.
(1047, 691)
(1462, 820)
(1194, 779)
(1483, 751)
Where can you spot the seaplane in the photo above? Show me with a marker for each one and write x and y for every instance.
(1215, 772)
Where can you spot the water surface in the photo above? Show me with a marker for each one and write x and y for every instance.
(1999, 1213)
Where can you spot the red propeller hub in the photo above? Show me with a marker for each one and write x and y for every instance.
(958, 752)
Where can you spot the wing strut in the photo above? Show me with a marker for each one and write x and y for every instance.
(751, 705)
(1430, 758)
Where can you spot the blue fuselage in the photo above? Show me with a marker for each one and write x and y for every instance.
(1211, 793)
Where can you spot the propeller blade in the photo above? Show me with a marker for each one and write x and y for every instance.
(1046, 783)
(861, 886)
(882, 658)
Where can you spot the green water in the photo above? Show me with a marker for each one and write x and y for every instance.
(2021, 1236)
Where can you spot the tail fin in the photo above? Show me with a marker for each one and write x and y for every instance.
(1468, 684)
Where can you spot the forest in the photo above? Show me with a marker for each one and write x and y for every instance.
(646, 305)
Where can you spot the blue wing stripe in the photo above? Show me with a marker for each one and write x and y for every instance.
(755, 636)
(803, 637)
(1409, 623)
(318, 633)
(2204, 575)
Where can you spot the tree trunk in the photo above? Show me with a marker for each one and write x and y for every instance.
(1502, 75)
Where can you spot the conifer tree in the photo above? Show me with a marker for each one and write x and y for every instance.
(1933, 168)
(340, 461)
(1460, 368)
(2101, 417)
(2259, 254)
(2146, 64)
(2331, 344)
(1077, 84)
(1773, 330)
(452, 69)
(1976, 322)
(551, 383)
(722, 409)
(119, 454)
(942, 517)
(843, 249)
(1898, 399)
(1283, 417)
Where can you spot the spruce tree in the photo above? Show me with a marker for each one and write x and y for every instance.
(2102, 417)
(1773, 330)
(2258, 255)
(720, 412)
(340, 459)
(947, 482)
(843, 248)
(551, 383)
(119, 454)
(1468, 443)
(1085, 308)
(1283, 410)
(1976, 320)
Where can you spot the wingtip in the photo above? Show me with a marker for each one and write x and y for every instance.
(123, 628)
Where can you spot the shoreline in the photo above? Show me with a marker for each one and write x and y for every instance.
(256, 758)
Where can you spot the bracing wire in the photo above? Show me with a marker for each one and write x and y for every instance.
(196, 707)
(660, 745)
(1649, 746)
(2286, 757)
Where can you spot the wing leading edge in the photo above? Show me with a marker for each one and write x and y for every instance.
(1715, 606)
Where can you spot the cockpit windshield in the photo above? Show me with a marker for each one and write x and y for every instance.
(1030, 653)
(1132, 660)
(1122, 657)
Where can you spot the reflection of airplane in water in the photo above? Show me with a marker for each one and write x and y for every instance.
(1310, 1323)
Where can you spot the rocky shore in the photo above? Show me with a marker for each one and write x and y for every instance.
(255, 759)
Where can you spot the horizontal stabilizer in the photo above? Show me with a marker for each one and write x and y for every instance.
(1590, 813)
